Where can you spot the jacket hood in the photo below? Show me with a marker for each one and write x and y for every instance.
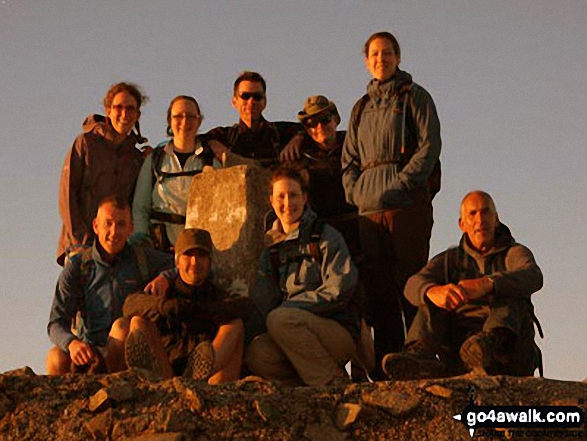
(503, 240)
(96, 123)
(393, 86)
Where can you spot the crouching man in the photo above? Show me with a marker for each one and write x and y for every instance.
(474, 307)
(196, 329)
(93, 286)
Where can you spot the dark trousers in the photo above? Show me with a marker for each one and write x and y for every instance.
(444, 332)
(395, 243)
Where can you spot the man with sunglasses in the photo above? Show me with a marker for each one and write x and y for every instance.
(253, 137)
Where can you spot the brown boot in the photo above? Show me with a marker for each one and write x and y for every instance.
(488, 351)
(200, 362)
(414, 363)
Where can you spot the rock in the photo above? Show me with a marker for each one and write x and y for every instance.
(6, 405)
(195, 403)
(56, 408)
(239, 197)
(323, 432)
(99, 426)
(117, 392)
(439, 391)
(346, 415)
(396, 403)
(160, 437)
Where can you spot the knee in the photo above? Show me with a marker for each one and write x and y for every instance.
(138, 322)
(57, 362)
(280, 318)
(120, 328)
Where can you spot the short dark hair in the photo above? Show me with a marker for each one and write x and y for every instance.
(288, 172)
(173, 101)
(249, 76)
(116, 201)
(130, 88)
(385, 36)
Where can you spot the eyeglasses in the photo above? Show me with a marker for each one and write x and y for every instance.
(313, 122)
(188, 116)
(257, 96)
(118, 108)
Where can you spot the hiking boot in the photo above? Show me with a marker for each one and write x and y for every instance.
(415, 363)
(138, 353)
(487, 351)
(200, 362)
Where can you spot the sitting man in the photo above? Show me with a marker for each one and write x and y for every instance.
(253, 137)
(95, 283)
(474, 308)
(195, 329)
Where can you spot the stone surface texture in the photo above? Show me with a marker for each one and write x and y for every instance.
(56, 408)
(231, 203)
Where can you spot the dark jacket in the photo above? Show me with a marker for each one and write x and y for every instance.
(510, 264)
(376, 176)
(263, 144)
(100, 289)
(188, 315)
(94, 168)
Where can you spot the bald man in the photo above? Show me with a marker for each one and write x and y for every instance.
(474, 304)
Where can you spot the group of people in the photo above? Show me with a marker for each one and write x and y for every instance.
(346, 247)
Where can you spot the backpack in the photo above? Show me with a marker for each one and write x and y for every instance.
(158, 154)
(358, 297)
(434, 180)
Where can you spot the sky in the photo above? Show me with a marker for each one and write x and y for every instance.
(508, 79)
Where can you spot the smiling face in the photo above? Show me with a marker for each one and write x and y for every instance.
(323, 130)
(288, 201)
(194, 266)
(112, 226)
(381, 60)
(185, 119)
(479, 220)
(123, 113)
(250, 101)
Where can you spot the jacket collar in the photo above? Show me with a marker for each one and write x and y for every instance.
(276, 234)
(503, 240)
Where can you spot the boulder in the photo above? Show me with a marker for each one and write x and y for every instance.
(231, 203)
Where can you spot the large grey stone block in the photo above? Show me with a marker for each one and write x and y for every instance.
(231, 203)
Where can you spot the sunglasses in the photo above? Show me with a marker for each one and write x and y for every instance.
(313, 122)
(257, 96)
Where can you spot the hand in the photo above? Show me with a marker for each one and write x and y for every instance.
(218, 148)
(293, 150)
(448, 297)
(157, 287)
(476, 288)
(80, 352)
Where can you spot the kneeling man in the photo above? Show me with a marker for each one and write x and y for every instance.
(474, 307)
(196, 329)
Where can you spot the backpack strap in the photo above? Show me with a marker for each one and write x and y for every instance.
(141, 263)
(157, 156)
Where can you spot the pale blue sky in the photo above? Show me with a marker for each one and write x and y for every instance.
(508, 79)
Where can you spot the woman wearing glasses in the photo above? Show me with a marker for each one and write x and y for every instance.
(103, 161)
(160, 200)
(390, 153)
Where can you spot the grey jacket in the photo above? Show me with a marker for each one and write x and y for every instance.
(375, 173)
(325, 288)
(511, 265)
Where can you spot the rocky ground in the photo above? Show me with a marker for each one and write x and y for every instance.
(131, 407)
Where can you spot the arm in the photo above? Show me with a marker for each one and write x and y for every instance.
(433, 274)
(522, 276)
(70, 187)
(419, 168)
(143, 199)
(351, 160)
(65, 305)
